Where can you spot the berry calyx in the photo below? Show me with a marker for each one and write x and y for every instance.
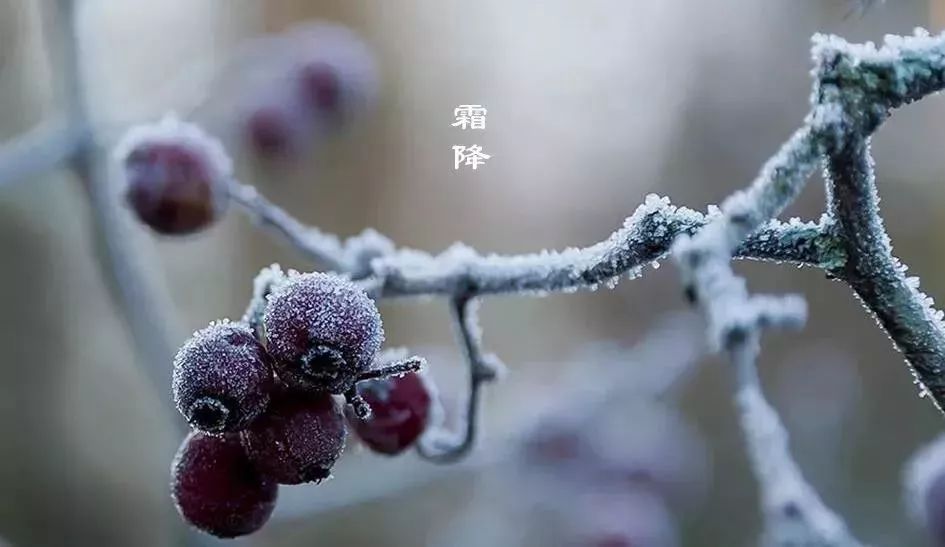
(322, 332)
(222, 378)
(216, 488)
(400, 411)
(175, 176)
(298, 439)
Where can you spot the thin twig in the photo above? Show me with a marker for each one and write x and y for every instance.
(445, 447)
(39, 150)
(794, 514)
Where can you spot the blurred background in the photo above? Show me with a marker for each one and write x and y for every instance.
(591, 106)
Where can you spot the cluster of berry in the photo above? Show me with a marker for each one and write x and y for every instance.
(315, 79)
(263, 402)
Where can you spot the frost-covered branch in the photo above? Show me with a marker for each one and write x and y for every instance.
(645, 237)
(793, 512)
(868, 83)
(444, 446)
(855, 89)
(877, 277)
(324, 249)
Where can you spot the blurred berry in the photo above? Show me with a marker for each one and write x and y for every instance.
(625, 519)
(935, 509)
(924, 479)
(400, 409)
(299, 438)
(323, 332)
(222, 378)
(335, 72)
(555, 441)
(175, 176)
(320, 87)
(271, 132)
(216, 488)
(661, 452)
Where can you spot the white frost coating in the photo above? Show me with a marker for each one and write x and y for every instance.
(794, 513)
(172, 130)
(893, 49)
(925, 467)
(267, 280)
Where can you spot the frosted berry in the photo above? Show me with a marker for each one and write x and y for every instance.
(323, 332)
(216, 488)
(222, 378)
(175, 176)
(298, 439)
(400, 409)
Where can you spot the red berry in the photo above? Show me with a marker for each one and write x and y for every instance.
(270, 131)
(222, 378)
(400, 408)
(299, 438)
(175, 175)
(216, 488)
(323, 332)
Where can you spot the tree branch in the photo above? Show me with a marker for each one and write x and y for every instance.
(39, 150)
(150, 323)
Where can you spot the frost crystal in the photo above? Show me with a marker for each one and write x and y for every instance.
(171, 130)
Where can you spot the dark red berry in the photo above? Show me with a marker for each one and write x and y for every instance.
(298, 439)
(176, 177)
(400, 408)
(222, 378)
(216, 488)
(323, 332)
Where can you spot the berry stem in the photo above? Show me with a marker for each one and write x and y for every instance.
(394, 368)
(360, 406)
